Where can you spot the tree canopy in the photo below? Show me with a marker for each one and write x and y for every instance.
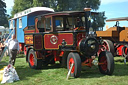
(57, 5)
(61, 5)
(3, 15)
(98, 21)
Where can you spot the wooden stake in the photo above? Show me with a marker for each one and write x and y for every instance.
(69, 72)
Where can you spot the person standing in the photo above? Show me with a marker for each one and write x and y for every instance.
(13, 46)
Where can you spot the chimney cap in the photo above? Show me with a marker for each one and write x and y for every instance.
(87, 9)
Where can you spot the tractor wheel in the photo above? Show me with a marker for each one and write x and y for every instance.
(125, 51)
(75, 59)
(34, 63)
(106, 62)
(107, 46)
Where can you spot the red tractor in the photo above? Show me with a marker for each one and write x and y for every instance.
(65, 37)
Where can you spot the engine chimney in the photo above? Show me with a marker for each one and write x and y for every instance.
(87, 19)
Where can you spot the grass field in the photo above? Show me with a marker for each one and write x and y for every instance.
(55, 75)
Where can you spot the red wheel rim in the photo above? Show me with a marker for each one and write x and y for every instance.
(126, 51)
(104, 61)
(103, 47)
(70, 63)
(31, 59)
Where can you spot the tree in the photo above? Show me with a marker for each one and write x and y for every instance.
(98, 21)
(3, 15)
(57, 5)
(20, 5)
(66, 5)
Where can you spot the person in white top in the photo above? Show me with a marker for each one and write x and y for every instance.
(13, 46)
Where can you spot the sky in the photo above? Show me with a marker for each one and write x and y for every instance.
(9, 4)
(112, 8)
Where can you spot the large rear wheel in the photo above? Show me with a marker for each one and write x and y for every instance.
(107, 46)
(34, 63)
(74, 58)
(106, 62)
(125, 52)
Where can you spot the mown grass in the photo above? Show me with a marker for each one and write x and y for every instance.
(55, 75)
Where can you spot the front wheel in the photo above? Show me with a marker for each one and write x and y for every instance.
(106, 63)
(75, 59)
(34, 63)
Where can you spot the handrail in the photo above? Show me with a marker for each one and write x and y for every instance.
(8, 36)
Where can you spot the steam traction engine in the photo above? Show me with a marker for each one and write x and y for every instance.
(65, 37)
(115, 38)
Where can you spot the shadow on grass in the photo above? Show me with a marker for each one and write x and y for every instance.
(92, 72)
(25, 72)
(23, 69)
(121, 69)
(53, 66)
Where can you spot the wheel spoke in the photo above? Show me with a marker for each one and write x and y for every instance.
(104, 66)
